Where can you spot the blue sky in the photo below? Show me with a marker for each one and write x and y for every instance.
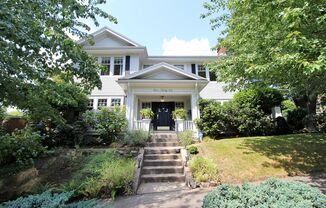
(176, 23)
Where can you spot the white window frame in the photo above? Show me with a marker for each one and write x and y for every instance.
(122, 69)
(150, 104)
(180, 66)
(98, 102)
(112, 65)
(206, 71)
(100, 61)
(112, 99)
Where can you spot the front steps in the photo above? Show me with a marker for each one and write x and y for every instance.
(162, 162)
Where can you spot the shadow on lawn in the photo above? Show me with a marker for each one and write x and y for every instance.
(297, 153)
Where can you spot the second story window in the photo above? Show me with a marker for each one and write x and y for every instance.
(180, 66)
(118, 66)
(102, 102)
(202, 71)
(106, 62)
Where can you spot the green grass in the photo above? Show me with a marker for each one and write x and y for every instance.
(103, 174)
(257, 158)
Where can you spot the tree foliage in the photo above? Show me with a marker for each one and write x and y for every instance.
(279, 42)
(36, 51)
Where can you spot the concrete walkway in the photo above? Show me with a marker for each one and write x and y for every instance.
(193, 198)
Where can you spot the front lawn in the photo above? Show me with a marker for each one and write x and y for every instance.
(257, 158)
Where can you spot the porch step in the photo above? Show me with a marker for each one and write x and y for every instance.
(165, 140)
(162, 156)
(163, 144)
(173, 177)
(162, 150)
(162, 169)
(162, 163)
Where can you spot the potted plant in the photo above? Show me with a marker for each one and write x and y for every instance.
(179, 115)
(147, 115)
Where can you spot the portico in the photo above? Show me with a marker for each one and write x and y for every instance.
(163, 88)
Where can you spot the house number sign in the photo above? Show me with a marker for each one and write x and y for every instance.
(163, 90)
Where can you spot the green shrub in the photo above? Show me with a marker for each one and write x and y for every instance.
(232, 119)
(179, 113)
(270, 193)
(146, 113)
(193, 150)
(108, 123)
(47, 199)
(319, 121)
(185, 137)
(136, 137)
(3, 113)
(203, 169)
(104, 174)
(287, 106)
(21, 146)
(296, 118)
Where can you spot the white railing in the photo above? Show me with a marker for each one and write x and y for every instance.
(138, 125)
(188, 125)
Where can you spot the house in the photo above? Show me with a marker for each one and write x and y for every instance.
(163, 83)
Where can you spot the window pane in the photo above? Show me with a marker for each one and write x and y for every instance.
(116, 102)
(106, 62)
(118, 65)
(90, 104)
(202, 71)
(179, 105)
(146, 66)
(102, 102)
(180, 66)
(146, 105)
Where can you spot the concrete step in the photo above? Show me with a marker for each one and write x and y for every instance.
(162, 169)
(161, 156)
(162, 144)
(162, 163)
(162, 150)
(173, 177)
(164, 140)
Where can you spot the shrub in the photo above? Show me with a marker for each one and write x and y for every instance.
(319, 121)
(136, 137)
(108, 123)
(21, 146)
(146, 113)
(203, 169)
(185, 137)
(270, 193)
(287, 106)
(296, 118)
(179, 113)
(193, 150)
(282, 126)
(264, 98)
(103, 174)
(3, 113)
(47, 199)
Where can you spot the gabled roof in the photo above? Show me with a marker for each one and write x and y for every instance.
(158, 67)
(114, 33)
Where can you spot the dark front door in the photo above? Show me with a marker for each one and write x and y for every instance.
(163, 114)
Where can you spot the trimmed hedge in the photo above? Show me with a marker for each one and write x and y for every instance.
(270, 193)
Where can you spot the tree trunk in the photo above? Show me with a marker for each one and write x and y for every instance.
(308, 102)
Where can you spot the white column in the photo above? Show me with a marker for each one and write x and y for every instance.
(128, 108)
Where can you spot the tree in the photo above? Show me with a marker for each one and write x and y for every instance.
(36, 50)
(280, 43)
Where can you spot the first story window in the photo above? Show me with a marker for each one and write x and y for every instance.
(106, 63)
(90, 104)
(102, 102)
(202, 71)
(116, 102)
(180, 66)
(118, 66)
(145, 105)
(179, 105)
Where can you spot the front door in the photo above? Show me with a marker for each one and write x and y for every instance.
(163, 115)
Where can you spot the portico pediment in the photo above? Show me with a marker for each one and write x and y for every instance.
(162, 71)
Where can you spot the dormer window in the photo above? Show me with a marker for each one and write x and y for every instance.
(202, 71)
(118, 66)
(180, 66)
(106, 62)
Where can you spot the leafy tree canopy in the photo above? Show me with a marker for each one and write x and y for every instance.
(280, 43)
(36, 52)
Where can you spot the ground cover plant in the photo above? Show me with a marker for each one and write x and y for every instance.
(258, 158)
(203, 169)
(185, 138)
(270, 193)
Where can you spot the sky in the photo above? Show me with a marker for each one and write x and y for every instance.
(165, 27)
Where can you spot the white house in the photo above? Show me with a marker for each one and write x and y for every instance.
(162, 83)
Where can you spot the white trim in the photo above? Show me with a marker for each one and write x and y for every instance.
(167, 66)
(114, 33)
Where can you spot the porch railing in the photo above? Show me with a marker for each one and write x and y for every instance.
(188, 125)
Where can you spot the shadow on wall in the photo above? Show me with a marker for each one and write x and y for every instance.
(297, 154)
